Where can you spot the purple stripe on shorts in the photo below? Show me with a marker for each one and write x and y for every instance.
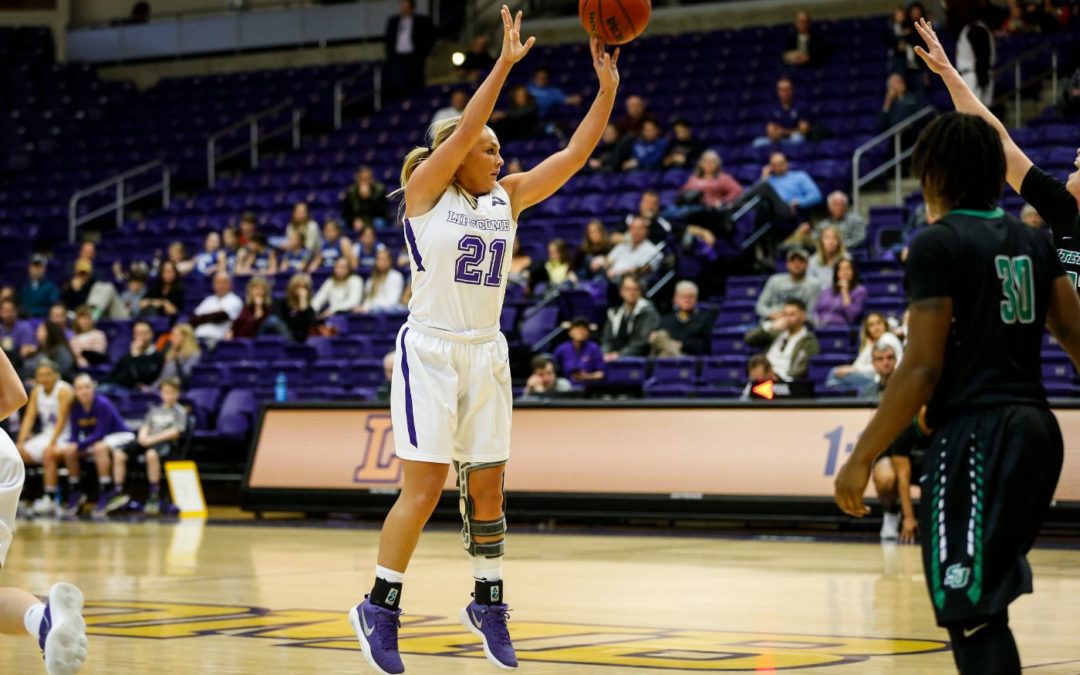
(409, 418)
(410, 237)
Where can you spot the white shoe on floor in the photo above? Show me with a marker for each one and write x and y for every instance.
(43, 506)
(62, 636)
(890, 527)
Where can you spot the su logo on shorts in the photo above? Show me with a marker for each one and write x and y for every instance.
(957, 576)
(379, 465)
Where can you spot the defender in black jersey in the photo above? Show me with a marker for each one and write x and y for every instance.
(1057, 202)
(983, 286)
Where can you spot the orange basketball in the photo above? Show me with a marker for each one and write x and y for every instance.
(615, 22)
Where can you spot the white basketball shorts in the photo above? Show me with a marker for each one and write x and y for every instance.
(36, 444)
(450, 398)
(12, 474)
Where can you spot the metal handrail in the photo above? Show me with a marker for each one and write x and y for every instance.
(1019, 84)
(899, 155)
(255, 136)
(339, 93)
(121, 200)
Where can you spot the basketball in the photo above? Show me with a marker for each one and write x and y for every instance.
(615, 22)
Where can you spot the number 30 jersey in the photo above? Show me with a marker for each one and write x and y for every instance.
(460, 259)
(998, 273)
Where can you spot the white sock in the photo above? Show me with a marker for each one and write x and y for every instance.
(389, 575)
(32, 619)
(487, 569)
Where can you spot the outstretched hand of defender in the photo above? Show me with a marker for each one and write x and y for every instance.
(512, 49)
(850, 486)
(606, 65)
(934, 55)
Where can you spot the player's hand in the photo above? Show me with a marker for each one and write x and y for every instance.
(605, 65)
(513, 50)
(934, 55)
(908, 530)
(850, 486)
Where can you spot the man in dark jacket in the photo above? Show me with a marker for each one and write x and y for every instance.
(629, 326)
(141, 365)
(365, 200)
(687, 331)
(408, 39)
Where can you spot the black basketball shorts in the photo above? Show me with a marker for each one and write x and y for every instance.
(988, 480)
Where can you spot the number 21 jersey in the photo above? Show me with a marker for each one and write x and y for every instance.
(460, 259)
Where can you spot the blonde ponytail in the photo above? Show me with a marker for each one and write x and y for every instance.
(437, 134)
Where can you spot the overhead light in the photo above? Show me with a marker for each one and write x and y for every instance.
(457, 58)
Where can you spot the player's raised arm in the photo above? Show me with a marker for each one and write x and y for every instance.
(437, 168)
(12, 392)
(536, 185)
(965, 101)
(909, 389)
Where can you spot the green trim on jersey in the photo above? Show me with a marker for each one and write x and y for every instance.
(988, 215)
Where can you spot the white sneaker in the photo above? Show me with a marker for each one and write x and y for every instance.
(63, 631)
(890, 526)
(43, 506)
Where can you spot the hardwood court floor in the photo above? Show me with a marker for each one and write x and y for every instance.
(222, 599)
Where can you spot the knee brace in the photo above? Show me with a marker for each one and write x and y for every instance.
(479, 528)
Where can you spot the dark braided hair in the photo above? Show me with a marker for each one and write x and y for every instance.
(959, 159)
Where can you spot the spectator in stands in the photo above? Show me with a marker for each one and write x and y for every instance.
(784, 192)
(687, 330)
(38, 293)
(790, 343)
(896, 34)
(58, 314)
(785, 124)
(548, 97)
(544, 382)
(52, 345)
(520, 120)
(16, 337)
(215, 314)
(683, 149)
(77, 289)
(629, 125)
(861, 372)
(408, 40)
(334, 245)
(295, 308)
(556, 271)
(634, 255)
(975, 49)
(580, 359)
(130, 301)
(177, 253)
(758, 372)
(257, 317)
(784, 286)
(49, 406)
(140, 366)
(852, 226)
(649, 209)
(249, 227)
(900, 104)
(610, 152)
(477, 60)
(166, 294)
(629, 325)
(383, 289)
(520, 265)
(179, 355)
(804, 47)
(715, 188)
(382, 394)
(365, 200)
(366, 248)
(308, 229)
(257, 257)
(459, 98)
(206, 263)
(648, 150)
(590, 259)
(294, 257)
(341, 293)
(159, 436)
(89, 344)
(884, 361)
(829, 251)
(230, 250)
(1032, 219)
(841, 303)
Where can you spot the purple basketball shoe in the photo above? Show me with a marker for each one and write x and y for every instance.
(488, 622)
(377, 629)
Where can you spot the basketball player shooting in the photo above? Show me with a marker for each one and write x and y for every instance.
(450, 396)
(57, 625)
(983, 286)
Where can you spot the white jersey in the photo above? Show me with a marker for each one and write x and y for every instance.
(965, 62)
(460, 258)
(48, 407)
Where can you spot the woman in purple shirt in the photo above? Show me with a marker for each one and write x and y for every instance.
(841, 304)
(579, 358)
